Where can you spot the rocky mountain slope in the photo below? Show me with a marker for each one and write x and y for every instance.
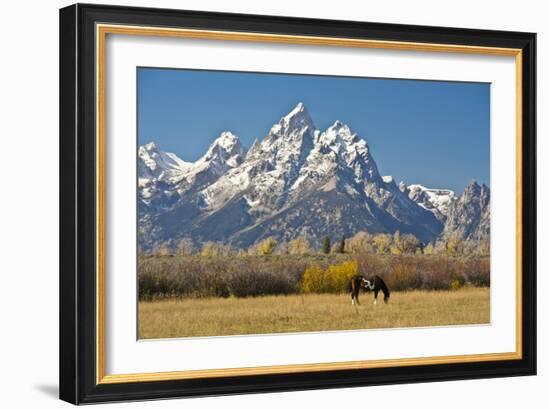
(469, 217)
(296, 181)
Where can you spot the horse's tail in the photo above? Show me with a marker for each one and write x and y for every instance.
(382, 285)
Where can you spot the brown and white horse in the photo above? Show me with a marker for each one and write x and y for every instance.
(375, 284)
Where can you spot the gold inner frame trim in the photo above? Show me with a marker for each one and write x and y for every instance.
(101, 32)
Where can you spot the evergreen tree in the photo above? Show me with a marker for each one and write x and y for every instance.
(326, 245)
(342, 246)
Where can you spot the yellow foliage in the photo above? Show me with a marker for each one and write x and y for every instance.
(395, 250)
(299, 245)
(341, 274)
(382, 243)
(456, 285)
(215, 249)
(454, 247)
(429, 249)
(266, 247)
(313, 280)
(162, 250)
(334, 279)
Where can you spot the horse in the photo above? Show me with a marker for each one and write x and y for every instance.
(375, 284)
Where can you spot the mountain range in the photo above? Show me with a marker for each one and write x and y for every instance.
(296, 181)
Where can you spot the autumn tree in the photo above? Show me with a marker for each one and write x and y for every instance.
(299, 245)
(382, 243)
(162, 249)
(484, 247)
(185, 247)
(213, 249)
(410, 244)
(454, 247)
(429, 249)
(396, 246)
(266, 246)
(361, 242)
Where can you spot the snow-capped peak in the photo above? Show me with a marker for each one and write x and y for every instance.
(151, 146)
(225, 152)
(353, 150)
(438, 201)
(296, 122)
(164, 176)
(339, 136)
(440, 192)
(228, 143)
(340, 127)
(226, 140)
(299, 110)
(158, 164)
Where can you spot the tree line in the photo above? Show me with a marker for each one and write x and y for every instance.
(361, 242)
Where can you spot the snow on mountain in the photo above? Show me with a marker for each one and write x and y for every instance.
(225, 153)
(165, 174)
(296, 181)
(156, 164)
(157, 170)
(270, 167)
(437, 201)
(291, 159)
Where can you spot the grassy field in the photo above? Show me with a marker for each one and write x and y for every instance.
(191, 317)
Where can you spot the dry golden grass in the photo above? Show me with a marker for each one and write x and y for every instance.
(312, 312)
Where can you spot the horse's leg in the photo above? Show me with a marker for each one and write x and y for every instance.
(376, 296)
(355, 296)
(354, 292)
(354, 299)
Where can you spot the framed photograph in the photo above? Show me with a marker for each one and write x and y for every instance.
(258, 203)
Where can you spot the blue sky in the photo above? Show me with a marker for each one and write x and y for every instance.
(429, 132)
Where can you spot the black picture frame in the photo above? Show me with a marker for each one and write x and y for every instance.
(78, 313)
